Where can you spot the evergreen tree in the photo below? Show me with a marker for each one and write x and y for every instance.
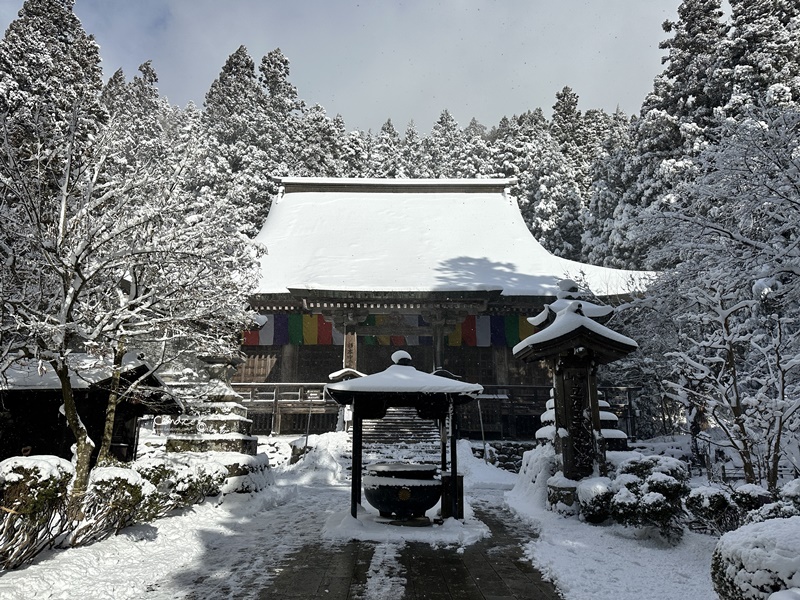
(610, 177)
(445, 148)
(762, 51)
(477, 158)
(552, 203)
(386, 157)
(240, 137)
(283, 107)
(412, 162)
(356, 160)
(675, 125)
(322, 146)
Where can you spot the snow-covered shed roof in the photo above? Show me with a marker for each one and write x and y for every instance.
(412, 235)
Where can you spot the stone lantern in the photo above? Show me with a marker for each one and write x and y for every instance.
(572, 339)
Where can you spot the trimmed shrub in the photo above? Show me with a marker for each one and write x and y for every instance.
(790, 492)
(179, 484)
(713, 510)
(33, 501)
(751, 497)
(787, 505)
(594, 498)
(648, 491)
(758, 559)
(116, 499)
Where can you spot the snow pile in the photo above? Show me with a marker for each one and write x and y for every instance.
(479, 474)
(757, 559)
(324, 463)
(384, 579)
(538, 465)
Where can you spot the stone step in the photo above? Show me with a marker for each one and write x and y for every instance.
(400, 426)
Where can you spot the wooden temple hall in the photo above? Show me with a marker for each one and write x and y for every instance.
(444, 269)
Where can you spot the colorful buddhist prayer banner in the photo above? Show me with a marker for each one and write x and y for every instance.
(309, 330)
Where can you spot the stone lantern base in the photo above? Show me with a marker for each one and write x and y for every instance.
(562, 495)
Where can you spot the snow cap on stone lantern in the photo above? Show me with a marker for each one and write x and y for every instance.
(573, 325)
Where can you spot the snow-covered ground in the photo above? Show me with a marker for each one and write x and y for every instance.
(233, 549)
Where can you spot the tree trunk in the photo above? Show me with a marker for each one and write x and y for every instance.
(83, 443)
(745, 447)
(104, 455)
(773, 468)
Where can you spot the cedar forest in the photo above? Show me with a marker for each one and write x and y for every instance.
(104, 183)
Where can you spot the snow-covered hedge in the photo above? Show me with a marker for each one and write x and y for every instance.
(32, 496)
(180, 482)
(648, 491)
(594, 499)
(116, 498)
(758, 559)
(713, 510)
(787, 505)
(716, 511)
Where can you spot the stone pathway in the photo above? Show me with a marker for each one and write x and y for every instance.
(491, 569)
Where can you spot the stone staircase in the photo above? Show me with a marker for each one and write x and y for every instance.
(401, 436)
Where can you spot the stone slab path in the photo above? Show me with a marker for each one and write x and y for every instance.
(491, 569)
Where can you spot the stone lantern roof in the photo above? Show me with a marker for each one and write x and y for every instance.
(572, 331)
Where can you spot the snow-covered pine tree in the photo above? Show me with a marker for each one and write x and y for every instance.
(552, 202)
(284, 110)
(445, 148)
(240, 137)
(610, 179)
(672, 129)
(386, 153)
(357, 150)
(322, 148)
(412, 163)
(510, 157)
(762, 50)
(477, 159)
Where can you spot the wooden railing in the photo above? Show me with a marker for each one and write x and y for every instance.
(288, 407)
(504, 411)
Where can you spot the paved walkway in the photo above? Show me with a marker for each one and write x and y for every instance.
(491, 569)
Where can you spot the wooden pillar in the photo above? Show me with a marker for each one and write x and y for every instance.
(438, 345)
(453, 461)
(443, 441)
(355, 489)
(574, 399)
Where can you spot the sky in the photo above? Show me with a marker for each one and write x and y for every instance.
(371, 60)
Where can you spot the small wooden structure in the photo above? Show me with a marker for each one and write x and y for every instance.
(401, 385)
(30, 397)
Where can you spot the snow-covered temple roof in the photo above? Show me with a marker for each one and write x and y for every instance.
(412, 235)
